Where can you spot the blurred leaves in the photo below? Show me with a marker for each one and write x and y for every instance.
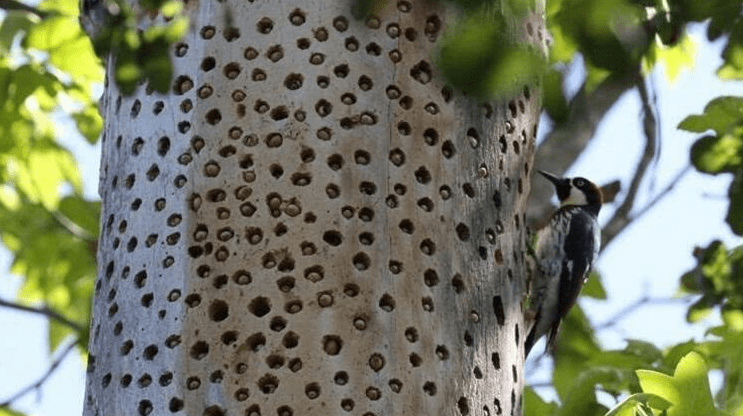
(4, 411)
(141, 55)
(718, 278)
(48, 69)
(593, 287)
(480, 56)
(687, 391)
(721, 152)
(675, 58)
(56, 260)
(608, 33)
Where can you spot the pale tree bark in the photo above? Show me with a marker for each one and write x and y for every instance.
(312, 223)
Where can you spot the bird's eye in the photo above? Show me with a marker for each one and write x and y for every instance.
(579, 182)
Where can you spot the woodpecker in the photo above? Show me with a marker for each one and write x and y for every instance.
(565, 252)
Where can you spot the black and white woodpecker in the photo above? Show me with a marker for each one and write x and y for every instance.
(565, 252)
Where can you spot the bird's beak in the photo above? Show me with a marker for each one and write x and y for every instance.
(562, 185)
(552, 178)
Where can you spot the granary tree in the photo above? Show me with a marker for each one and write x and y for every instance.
(309, 219)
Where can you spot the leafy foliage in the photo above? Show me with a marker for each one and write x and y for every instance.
(721, 152)
(47, 70)
(140, 55)
(717, 279)
(479, 57)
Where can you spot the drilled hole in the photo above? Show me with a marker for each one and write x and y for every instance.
(265, 25)
(293, 81)
(268, 384)
(407, 226)
(387, 303)
(376, 362)
(469, 190)
(334, 237)
(314, 273)
(218, 310)
(498, 309)
(332, 344)
(428, 247)
(259, 306)
(422, 175)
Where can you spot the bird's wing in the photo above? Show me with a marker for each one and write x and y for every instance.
(580, 244)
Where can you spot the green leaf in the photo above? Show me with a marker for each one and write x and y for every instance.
(563, 48)
(581, 397)
(7, 411)
(734, 216)
(478, 57)
(674, 58)
(712, 154)
(629, 405)
(687, 390)
(603, 32)
(699, 310)
(77, 59)
(733, 319)
(643, 349)
(722, 114)
(675, 353)
(595, 76)
(49, 168)
(64, 7)
(732, 68)
(593, 287)
(57, 264)
(14, 23)
(69, 48)
(89, 123)
(52, 33)
(535, 406)
(81, 213)
(574, 348)
(715, 264)
(553, 98)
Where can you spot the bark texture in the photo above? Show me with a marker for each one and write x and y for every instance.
(311, 223)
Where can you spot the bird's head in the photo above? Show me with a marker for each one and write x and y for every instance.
(576, 191)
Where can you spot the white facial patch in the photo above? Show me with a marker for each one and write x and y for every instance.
(576, 197)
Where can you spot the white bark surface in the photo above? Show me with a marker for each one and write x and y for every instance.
(311, 223)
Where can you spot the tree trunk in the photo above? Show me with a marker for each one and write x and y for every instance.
(311, 223)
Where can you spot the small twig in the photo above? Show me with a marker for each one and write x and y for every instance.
(640, 302)
(17, 5)
(541, 384)
(73, 228)
(642, 211)
(716, 197)
(36, 385)
(622, 215)
(43, 311)
(626, 221)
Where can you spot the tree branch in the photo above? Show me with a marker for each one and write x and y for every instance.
(43, 311)
(621, 216)
(36, 385)
(17, 5)
(73, 228)
(566, 142)
(640, 302)
(642, 211)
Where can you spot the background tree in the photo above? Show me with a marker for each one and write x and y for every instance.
(575, 120)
